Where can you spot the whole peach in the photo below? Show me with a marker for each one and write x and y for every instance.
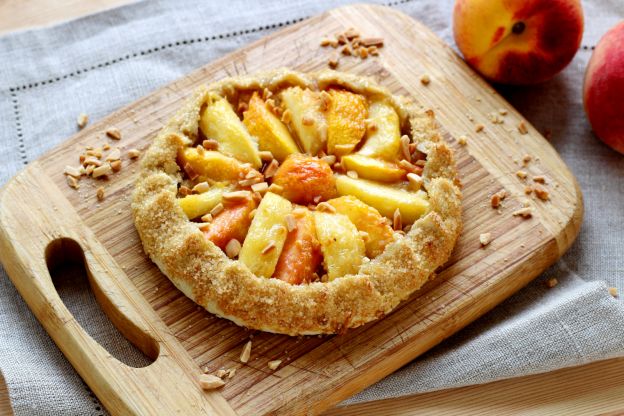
(603, 89)
(518, 41)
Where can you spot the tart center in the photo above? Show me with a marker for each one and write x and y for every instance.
(299, 184)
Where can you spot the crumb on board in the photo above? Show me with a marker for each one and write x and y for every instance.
(522, 128)
(462, 140)
(274, 364)
(425, 79)
(485, 239)
(114, 133)
(210, 382)
(526, 212)
(479, 128)
(246, 352)
(351, 43)
(497, 198)
(100, 193)
(552, 282)
(613, 292)
(82, 120)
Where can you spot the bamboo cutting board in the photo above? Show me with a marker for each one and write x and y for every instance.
(43, 222)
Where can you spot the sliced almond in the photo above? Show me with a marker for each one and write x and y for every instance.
(236, 196)
(274, 364)
(201, 187)
(113, 133)
(260, 187)
(72, 171)
(232, 248)
(210, 382)
(246, 352)
(102, 171)
(291, 223)
(415, 181)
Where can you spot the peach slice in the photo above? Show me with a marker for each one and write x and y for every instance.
(367, 219)
(342, 246)
(306, 119)
(232, 223)
(383, 137)
(197, 205)
(219, 121)
(386, 199)
(305, 179)
(272, 134)
(345, 121)
(301, 255)
(374, 169)
(210, 165)
(267, 234)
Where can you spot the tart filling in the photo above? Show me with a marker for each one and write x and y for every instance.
(319, 198)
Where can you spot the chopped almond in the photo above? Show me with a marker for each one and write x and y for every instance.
(133, 153)
(82, 120)
(522, 128)
(210, 382)
(539, 179)
(525, 212)
(542, 193)
(274, 364)
(485, 239)
(232, 248)
(425, 80)
(113, 133)
(246, 352)
(100, 193)
(552, 282)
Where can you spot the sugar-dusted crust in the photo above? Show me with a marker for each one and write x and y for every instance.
(227, 288)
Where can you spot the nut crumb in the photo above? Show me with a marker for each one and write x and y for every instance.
(113, 133)
(274, 364)
(232, 248)
(210, 382)
(539, 179)
(462, 140)
(397, 222)
(526, 159)
(133, 153)
(479, 128)
(220, 373)
(246, 352)
(522, 128)
(72, 182)
(613, 292)
(415, 181)
(552, 282)
(497, 198)
(485, 239)
(425, 79)
(100, 193)
(541, 192)
(521, 174)
(82, 120)
(526, 212)
(231, 373)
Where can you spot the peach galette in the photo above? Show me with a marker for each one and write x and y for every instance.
(298, 203)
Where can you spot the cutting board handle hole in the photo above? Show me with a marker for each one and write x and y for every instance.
(93, 309)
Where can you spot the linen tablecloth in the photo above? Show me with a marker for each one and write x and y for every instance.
(101, 62)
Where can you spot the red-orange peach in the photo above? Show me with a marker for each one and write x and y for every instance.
(604, 88)
(518, 41)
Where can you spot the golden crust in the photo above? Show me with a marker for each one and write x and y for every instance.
(227, 288)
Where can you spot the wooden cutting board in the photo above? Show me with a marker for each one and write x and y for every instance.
(43, 222)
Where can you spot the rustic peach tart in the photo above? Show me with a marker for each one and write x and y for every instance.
(298, 203)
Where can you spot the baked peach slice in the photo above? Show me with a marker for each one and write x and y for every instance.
(305, 118)
(266, 236)
(305, 179)
(220, 122)
(231, 223)
(346, 121)
(366, 219)
(196, 205)
(374, 169)
(342, 246)
(383, 137)
(385, 199)
(210, 165)
(301, 255)
(272, 134)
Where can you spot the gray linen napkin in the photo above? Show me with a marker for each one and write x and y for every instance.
(101, 62)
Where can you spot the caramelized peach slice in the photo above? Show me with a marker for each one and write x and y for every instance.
(374, 169)
(212, 166)
(305, 118)
(383, 137)
(197, 205)
(342, 246)
(366, 219)
(272, 134)
(386, 199)
(301, 255)
(345, 121)
(305, 179)
(267, 234)
(219, 122)
(232, 223)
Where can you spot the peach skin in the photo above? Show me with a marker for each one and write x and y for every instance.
(518, 41)
(603, 89)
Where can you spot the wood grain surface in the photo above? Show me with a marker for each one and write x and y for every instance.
(321, 371)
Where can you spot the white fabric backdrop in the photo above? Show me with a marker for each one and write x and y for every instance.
(101, 62)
